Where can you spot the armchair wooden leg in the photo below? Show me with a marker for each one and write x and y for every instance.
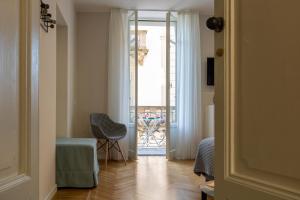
(109, 152)
(106, 153)
(121, 152)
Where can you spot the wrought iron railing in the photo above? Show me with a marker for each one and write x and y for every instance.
(151, 125)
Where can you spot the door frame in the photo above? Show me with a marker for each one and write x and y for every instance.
(167, 21)
(29, 77)
(33, 89)
(168, 83)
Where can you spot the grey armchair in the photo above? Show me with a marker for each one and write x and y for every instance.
(103, 128)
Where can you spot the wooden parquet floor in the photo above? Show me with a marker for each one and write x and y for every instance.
(148, 178)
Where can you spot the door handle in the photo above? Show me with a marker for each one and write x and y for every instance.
(215, 23)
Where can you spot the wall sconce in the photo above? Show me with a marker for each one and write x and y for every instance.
(46, 21)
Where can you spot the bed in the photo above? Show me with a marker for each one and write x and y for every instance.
(204, 162)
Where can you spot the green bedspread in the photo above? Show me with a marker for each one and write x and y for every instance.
(76, 162)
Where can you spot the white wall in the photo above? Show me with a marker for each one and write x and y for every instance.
(207, 50)
(91, 71)
(47, 95)
(67, 9)
(61, 80)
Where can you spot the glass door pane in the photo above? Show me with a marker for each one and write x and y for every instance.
(151, 134)
(171, 81)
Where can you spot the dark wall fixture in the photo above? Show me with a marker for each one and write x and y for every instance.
(46, 18)
(211, 71)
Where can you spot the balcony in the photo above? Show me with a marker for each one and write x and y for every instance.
(151, 129)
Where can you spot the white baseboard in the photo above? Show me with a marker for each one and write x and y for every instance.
(51, 193)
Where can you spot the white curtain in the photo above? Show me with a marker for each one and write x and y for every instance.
(188, 85)
(118, 73)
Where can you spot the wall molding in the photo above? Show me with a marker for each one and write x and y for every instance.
(263, 186)
(13, 182)
(51, 194)
(237, 169)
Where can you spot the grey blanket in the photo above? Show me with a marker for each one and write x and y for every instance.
(76, 162)
(204, 163)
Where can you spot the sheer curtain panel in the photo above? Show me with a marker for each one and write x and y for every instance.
(188, 85)
(118, 73)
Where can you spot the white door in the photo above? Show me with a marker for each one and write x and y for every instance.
(258, 100)
(19, 36)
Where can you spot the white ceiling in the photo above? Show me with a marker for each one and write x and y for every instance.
(204, 6)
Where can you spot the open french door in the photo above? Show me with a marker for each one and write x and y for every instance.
(258, 100)
(19, 58)
(152, 72)
(168, 66)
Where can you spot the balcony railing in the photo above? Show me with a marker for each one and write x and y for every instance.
(151, 128)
